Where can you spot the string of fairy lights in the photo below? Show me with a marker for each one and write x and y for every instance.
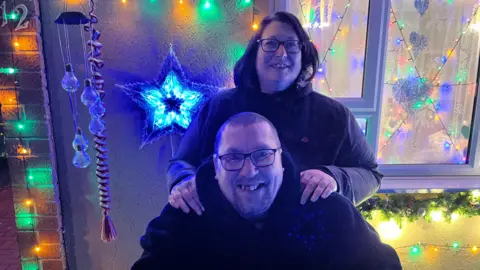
(420, 248)
(209, 4)
(430, 102)
(330, 48)
(398, 210)
(26, 220)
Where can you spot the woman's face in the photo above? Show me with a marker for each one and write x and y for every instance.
(278, 69)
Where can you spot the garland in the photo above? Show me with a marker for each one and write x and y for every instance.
(412, 207)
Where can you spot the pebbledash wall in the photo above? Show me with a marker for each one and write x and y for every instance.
(136, 36)
(30, 226)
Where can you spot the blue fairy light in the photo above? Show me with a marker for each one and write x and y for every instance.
(447, 145)
(444, 60)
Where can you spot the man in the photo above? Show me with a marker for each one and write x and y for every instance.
(254, 219)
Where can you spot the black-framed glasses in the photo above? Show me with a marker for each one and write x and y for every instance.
(259, 158)
(272, 45)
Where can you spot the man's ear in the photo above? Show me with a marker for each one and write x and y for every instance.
(215, 164)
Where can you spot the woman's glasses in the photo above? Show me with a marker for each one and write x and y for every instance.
(272, 45)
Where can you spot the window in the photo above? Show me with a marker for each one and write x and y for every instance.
(339, 31)
(408, 71)
(430, 83)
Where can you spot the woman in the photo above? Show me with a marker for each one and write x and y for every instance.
(273, 78)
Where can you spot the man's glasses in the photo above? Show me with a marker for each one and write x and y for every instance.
(259, 158)
(272, 45)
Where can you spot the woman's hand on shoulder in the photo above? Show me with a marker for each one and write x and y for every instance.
(316, 183)
(184, 195)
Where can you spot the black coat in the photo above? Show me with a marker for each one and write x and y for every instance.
(319, 132)
(328, 234)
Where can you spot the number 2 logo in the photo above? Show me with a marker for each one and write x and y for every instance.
(19, 10)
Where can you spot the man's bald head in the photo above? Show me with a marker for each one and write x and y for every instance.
(244, 119)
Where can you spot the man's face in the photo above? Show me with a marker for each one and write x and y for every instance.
(250, 189)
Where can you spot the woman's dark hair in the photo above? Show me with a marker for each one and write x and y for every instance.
(245, 73)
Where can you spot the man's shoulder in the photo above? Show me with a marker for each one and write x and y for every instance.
(169, 217)
(335, 209)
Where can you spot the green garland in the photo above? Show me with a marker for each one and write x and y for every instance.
(412, 207)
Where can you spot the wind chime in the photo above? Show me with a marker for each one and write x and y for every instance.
(92, 97)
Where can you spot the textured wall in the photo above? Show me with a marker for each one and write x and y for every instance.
(136, 38)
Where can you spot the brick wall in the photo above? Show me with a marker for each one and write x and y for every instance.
(30, 227)
(9, 251)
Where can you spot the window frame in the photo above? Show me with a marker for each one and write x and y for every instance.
(369, 106)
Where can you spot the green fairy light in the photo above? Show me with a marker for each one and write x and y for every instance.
(8, 70)
(418, 105)
(209, 11)
(40, 178)
(415, 250)
(30, 265)
(207, 5)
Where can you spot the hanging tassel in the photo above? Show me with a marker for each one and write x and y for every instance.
(108, 232)
(108, 229)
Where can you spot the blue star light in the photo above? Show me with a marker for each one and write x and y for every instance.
(170, 102)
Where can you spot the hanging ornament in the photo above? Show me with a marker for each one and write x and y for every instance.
(170, 102)
(411, 93)
(419, 43)
(97, 110)
(81, 158)
(421, 6)
(96, 126)
(79, 142)
(92, 96)
(70, 82)
(89, 96)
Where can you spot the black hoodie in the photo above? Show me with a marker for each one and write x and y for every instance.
(319, 132)
(328, 234)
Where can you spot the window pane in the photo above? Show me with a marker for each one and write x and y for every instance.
(430, 82)
(339, 31)
(362, 122)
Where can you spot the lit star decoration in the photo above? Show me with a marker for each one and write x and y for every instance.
(170, 102)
